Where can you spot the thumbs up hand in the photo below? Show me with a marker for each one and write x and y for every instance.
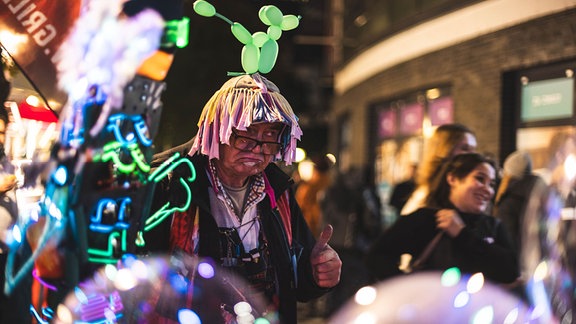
(326, 264)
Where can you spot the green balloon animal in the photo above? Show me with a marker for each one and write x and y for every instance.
(261, 48)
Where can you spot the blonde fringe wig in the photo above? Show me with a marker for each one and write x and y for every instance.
(240, 102)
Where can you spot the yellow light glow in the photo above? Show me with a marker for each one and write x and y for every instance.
(365, 295)
(33, 101)
(433, 93)
(12, 42)
(305, 170)
(125, 280)
(331, 157)
(300, 155)
(475, 283)
(541, 271)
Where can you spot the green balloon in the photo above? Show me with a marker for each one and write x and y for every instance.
(203, 8)
(289, 22)
(250, 57)
(274, 15)
(259, 38)
(241, 33)
(274, 32)
(262, 15)
(268, 55)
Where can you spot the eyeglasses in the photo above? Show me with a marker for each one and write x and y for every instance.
(248, 144)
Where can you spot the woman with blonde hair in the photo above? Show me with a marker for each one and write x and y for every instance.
(448, 140)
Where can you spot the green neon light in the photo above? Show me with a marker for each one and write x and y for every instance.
(110, 251)
(104, 261)
(167, 210)
(139, 158)
(165, 168)
(176, 32)
(111, 154)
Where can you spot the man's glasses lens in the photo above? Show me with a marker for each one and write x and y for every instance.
(248, 144)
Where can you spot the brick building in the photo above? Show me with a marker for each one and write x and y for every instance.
(467, 65)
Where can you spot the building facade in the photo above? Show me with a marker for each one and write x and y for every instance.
(469, 65)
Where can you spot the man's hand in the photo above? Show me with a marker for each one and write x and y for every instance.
(326, 264)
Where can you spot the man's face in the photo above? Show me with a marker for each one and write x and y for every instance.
(235, 165)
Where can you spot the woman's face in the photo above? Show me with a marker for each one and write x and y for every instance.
(473, 193)
(468, 144)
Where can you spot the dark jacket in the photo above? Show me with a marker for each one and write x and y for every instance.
(511, 207)
(291, 289)
(482, 246)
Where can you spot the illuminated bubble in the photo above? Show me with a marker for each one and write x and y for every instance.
(128, 260)
(541, 271)
(242, 308)
(54, 211)
(512, 317)
(245, 319)
(548, 232)
(187, 316)
(422, 297)
(110, 271)
(461, 299)
(124, 293)
(140, 269)
(450, 277)
(80, 295)
(64, 314)
(366, 318)
(475, 283)
(484, 315)
(60, 175)
(17, 234)
(365, 295)
(407, 313)
(206, 270)
(125, 280)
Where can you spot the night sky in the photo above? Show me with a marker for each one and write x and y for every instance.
(201, 68)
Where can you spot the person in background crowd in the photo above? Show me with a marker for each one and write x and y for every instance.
(243, 213)
(309, 192)
(352, 206)
(448, 140)
(403, 190)
(514, 192)
(452, 230)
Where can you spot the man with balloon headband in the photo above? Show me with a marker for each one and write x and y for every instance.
(241, 211)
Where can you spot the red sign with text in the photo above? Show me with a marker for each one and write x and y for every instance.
(31, 31)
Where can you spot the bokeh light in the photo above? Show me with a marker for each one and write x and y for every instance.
(425, 297)
(450, 277)
(365, 295)
(157, 288)
(475, 283)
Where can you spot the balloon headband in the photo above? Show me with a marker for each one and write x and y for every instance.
(249, 98)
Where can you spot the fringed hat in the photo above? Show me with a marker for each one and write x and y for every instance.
(242, 101)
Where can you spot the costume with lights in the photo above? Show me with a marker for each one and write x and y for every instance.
(267, 240)
(277, 262)
(95, 206)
